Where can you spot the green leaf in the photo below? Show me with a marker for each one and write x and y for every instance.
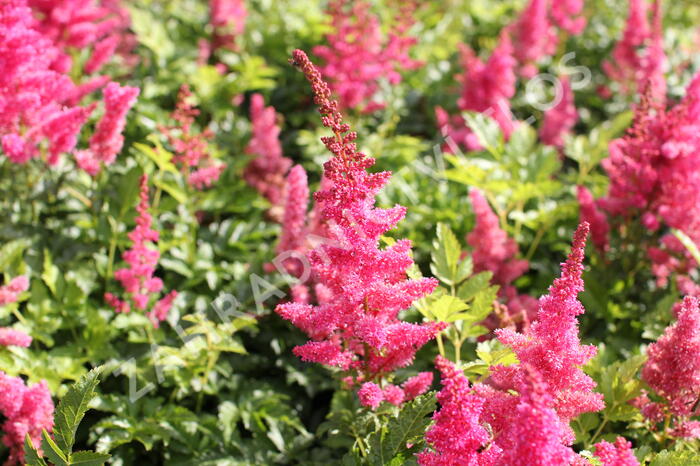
(688, 243)
(72, 408)
(676, 458)
(52, 451)
(486, 131)
(10, 252)
(619, 384)
(128, 190)
(469, 289)
(391, 440)
(446, 306)
(50, 273)
(88, 458)
(31, 455)
(446, 254)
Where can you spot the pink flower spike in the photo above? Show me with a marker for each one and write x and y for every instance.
(12, 337)
(417, 385)
(370, 395)
(561, 118)
(590, 213)
(618, 454)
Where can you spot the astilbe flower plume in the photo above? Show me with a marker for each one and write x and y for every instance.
(457, 436)
(590, 213)
(359, 54)
(27, 410)
(560, 118)
(137, 279)
(13, 337)
(615, 454)
(266, 172)
(487, 87)
(107, 140)
(10, 293)
(294, 231)
(654, 174)
(357, 329)
(567, 14)
(228, 18)
(552, 348)
(494, 251)
(672, 370)
(638, 58)
(190, 146)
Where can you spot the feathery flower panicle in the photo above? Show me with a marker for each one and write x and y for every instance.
(494, 251)
(457, 436)
(552, 346)
(616, 454)
(417, 385)
(486, 88)
(294, 233)
(566, 14)
(561, 118)
(358, 54)
(27, 410)
(190, 146)
(267, 170)
(638, 59)
(228, 19)
(137, 279)
(590, 214)
(654, 175)
(357, 328)
(534, 36)
(12, 337)
(10, 293)
(672, 369)
(370, 395)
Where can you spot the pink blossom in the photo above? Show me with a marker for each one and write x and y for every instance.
(267, 170)
(590, 213)
(27, 410)
(673, 366)
(358, 54)
(190, 146)
(104, 50)
(534, 36)
(12, 337)
(635, 70)
(10, 293)
(358, 326)
(457, 436)
(137, 279)
(417, 385)
(393, 394)
(107, 140)
(370, 395)
(567, 14)
(228, 19)
(552, 347)
(618, 454)
(486, 88)
(561, 118)
(294, 235)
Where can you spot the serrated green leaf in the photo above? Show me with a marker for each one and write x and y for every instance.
(11, 251)
(52, 451)
(474, 285)
(72, 408)
(446, 254)
(676, 458)
(446, 306)
(31, 455)
(88, 458)
(486, 131)
(50, 273)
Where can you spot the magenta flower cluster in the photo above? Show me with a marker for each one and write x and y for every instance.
(138, 278)
(357, 329)
(26, 411)
(359, 53)
(228, 19)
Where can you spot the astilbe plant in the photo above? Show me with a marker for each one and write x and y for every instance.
(590, 213)
(266, 172)
(190, 146)
(672, 371)
(618, 453)
(487, 87)
(138, 278)
(10, 293)
(27, 410)
(654, 176)
(638, 58)
(227, 18)
(359, 54)
(560, 119)
(357, 330)
(494, 251)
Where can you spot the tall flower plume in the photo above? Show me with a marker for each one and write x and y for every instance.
(487, 87)
(457, 436)
(561, 118)
(534, 36)
(494, 251)
(552, 347)
(654, 174)
(190, 146)
(137, 279)
(267, 170)
(590, 213)
(27, 410)
(357, 329)
(673, 372)
(228, 19)
(616, 454)
(358, 53)
(638, 59)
